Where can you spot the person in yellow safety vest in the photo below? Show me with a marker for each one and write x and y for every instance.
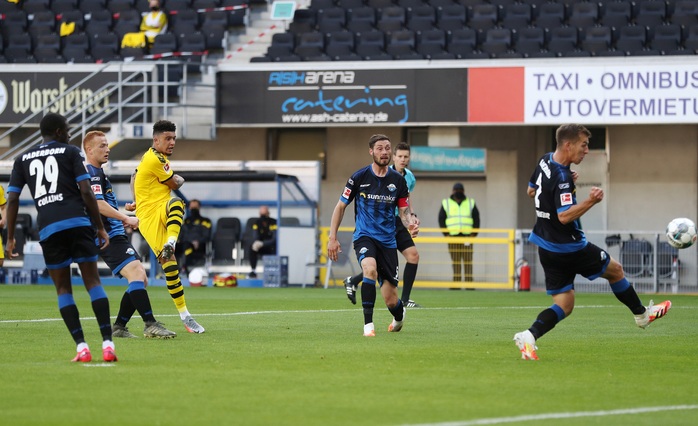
(154, 22)
(459, 216)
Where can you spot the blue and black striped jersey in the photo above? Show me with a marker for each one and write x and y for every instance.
(101, 186)
(52, 171)
(375, 201)
(555, 193)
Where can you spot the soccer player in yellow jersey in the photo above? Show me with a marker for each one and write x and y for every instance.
(160, 214)
(3, 211)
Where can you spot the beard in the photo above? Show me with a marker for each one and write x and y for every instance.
(381, 161)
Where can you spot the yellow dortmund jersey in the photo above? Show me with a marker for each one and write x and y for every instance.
(2, 196)
(150, 191)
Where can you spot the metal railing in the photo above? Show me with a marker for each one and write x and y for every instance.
(131, 97)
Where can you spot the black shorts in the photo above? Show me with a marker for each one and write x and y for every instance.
(561, 268)
(118, 254)
(402, 236)
(68, 246)
(386, 258)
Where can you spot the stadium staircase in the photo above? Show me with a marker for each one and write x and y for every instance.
(256, 37)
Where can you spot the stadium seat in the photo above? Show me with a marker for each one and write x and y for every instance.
(484, 16)
(6, 6)
(105, 47)
(74, 17)
(92, 6)
(370, 44)
(76, 48)
(118, 6)
(321, 4)
(685, 13)
(550, 15)
(184, 22)
(304, 20)
(238, 17)
(421, 18)
(310, 45)
(665, 38)
(616, 14)
(205, 4)
(193, 42)
(635, 256)
(411, 4)
(35, 6)
(442, 3)
(223, 247)
(361, 19)
(431, 43)
(563, 40)
(583, 14)
(332, 19)
(164, 43)
(380, 4)
(100, 23)
(339, 46)
(497, 41)
(19, 48)
(177, 5)
(15, 22)
(597, 40)
(451, 17)
(530, 41)
(631, 38)
(462, 42)
(650, 13)
(129, 21)
(229, 226)
(350, 4)
(401, 44)
(391, 18)
(48, 55)
(517, 15)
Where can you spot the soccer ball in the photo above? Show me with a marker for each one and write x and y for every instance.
(681, 233)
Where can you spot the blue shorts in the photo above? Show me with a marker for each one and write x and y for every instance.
(118, 254)
(70, 245)
(386, 258)
(561, 268)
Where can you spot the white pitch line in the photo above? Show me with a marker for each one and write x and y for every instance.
(557, 416)
(320, 311)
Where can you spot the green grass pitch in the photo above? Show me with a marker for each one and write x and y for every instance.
(295, 356)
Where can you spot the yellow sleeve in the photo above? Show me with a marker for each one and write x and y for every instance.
(3, 200)
(158, 165)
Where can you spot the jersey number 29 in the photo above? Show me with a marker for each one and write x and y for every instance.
(41, 170)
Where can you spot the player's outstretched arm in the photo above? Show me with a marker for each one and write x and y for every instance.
(175, 182)
(11, 209)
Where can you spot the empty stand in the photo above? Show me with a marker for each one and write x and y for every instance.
(462, 42)
(597, 40)
(451, 17)
(391, 18)
(332, 19)
(431, 43)
(583, 14)
(631, 39)
(666, 38)
(310, 45)
(361, 19)
(497, 41)
(100, 23)
(401, 45)
(517, 15)
(563, 40)
(530, 41)
(484, 16)
(164, 43)
(550, 15)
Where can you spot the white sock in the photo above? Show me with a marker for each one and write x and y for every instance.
(185, 313)
(107, 344)
(82, 346)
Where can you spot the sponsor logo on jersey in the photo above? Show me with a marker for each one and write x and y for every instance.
(346, 193)
(566, 199)
(364, 185)
(392, 187)
(94, 178)
(564, 185)
(363, 250)
(130, 251)
(97, 189)
(351, 181)
(166, 167)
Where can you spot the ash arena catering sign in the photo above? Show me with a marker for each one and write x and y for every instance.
(612, 94)
(342, 97)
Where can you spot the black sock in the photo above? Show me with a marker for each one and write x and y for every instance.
(140, 299)
(546, 321)
(408, 280)
(100, 306)
(397, 310)
(71, 318)
(627, 296)
(356, 279)
(368, 299)
(126, 310)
